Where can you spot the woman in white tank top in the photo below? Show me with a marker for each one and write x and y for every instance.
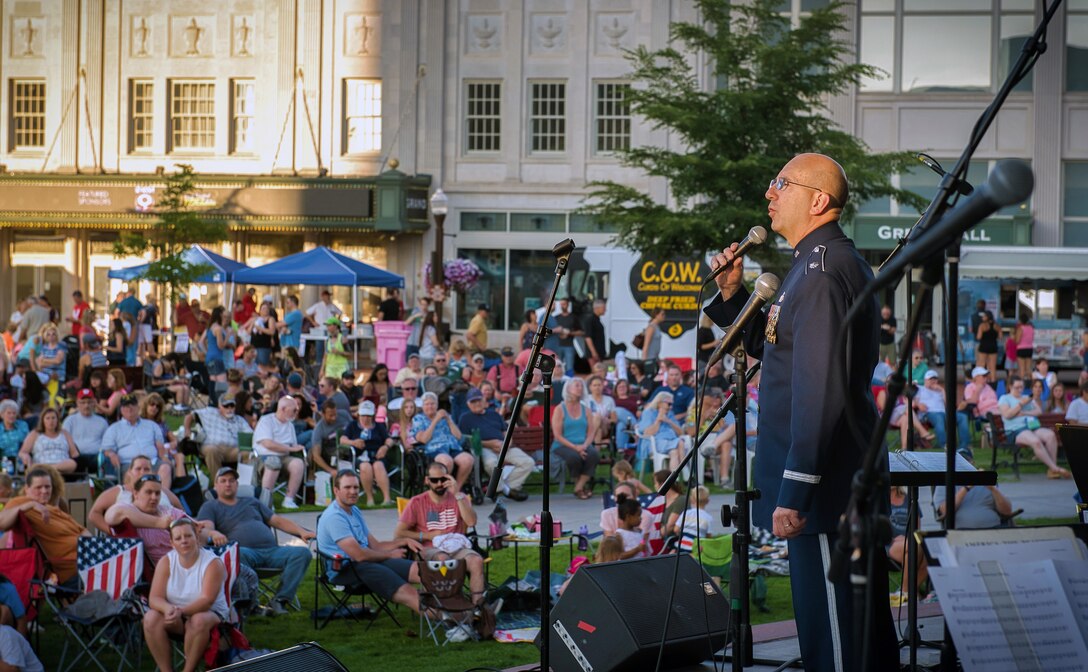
(186, 598)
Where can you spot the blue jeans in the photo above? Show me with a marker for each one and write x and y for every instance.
(293, 560)
(963, 433)
(625, 420)
(566, 353)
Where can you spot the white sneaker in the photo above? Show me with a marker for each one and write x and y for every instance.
(457, 634)
(289, 503)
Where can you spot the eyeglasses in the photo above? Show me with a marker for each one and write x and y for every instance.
(437, 479)
(780, 184)
(154, 478)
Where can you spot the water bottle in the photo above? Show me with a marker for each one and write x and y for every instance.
(583, 539)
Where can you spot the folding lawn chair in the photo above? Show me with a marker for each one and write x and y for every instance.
(443, 603)
(341, 595)
(107, 616)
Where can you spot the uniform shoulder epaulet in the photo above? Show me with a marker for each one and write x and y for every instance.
(816, 259)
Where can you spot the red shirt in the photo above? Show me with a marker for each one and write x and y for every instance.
(423, 515)
(184, 317)
(77, 315)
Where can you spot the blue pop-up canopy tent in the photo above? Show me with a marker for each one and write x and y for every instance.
(222, 268)
(319, 266)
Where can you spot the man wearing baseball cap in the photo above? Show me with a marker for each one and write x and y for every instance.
(505, 375)
(929, 402)
(87, 429)
(492, 429)
(221, 429)
(371, 442)
(248, 522)
(336, 355)
(131, 436)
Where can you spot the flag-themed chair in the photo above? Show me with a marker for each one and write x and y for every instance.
(107, 617)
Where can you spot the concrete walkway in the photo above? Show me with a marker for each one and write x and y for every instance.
(1038, 496)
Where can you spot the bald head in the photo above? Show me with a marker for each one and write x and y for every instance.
(824, 173)
(810, 192)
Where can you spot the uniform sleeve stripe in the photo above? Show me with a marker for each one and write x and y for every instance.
(804, 478)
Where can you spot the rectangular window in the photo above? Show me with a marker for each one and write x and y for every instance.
(192, 115)
(981, 39)
(483, 221)
(544, 222)
(243, 107)
(27, 114)
(491, 289)
(1076, 47)
(548, 116)
(1075, 205)
(483, 116)
(362, 116)
(141, 115)
(613, 117)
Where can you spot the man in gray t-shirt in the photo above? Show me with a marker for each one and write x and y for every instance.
(248, 522)
(979, 507)
(328, 426)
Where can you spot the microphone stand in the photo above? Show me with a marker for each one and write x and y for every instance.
(740, 515)
(546, 364)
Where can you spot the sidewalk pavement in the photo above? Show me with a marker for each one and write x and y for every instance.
(1038, 496)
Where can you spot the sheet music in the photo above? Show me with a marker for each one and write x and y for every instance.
(1074, 578)
(1014, 545)
(1010, 618)
(929, 461)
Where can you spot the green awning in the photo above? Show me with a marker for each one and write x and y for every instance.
(1029, 263)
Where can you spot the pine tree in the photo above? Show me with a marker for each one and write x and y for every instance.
(768, 105)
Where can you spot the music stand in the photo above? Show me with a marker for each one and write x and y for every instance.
(918, 470)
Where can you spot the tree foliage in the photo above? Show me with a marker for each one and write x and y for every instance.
(768, 105)
(175, 230)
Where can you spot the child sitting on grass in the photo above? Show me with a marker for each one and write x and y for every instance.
(629, 513)
(696, 521)
(623, 472)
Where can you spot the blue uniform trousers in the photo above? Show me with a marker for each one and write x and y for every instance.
(825, 614)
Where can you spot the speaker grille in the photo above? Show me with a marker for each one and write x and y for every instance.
(640, 590)
(309, 657)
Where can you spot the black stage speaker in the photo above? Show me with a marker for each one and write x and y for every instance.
(611, 616)
(309, 657)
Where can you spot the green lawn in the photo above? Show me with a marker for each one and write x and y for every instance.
(389, 648)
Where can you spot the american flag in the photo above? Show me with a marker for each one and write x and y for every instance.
(231, 560)
(442, 520)
(109, 563)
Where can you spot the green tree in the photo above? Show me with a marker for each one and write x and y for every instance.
(175, 230)
(767, 106)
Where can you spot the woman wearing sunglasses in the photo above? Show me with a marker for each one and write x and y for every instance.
(187, 597)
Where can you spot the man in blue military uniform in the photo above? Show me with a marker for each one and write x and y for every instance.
(807, 456)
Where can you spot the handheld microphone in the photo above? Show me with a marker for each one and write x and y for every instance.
(757, 235)
(765, 290)
(962, 186)
(1010, 182)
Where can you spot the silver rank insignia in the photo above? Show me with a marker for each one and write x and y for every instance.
(770, 333)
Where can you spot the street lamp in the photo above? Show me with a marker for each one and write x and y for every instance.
(440, 205)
